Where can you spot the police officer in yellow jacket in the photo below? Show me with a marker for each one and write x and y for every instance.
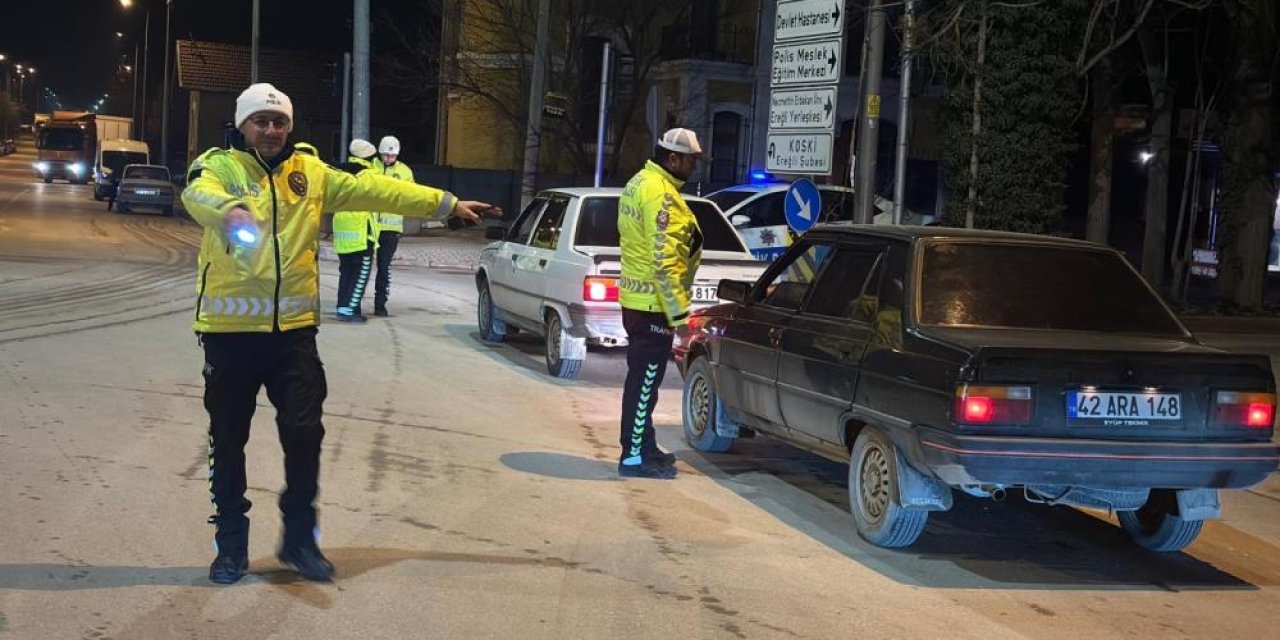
(661, 249)
(258, 304)
(355, 237)
(390, 225)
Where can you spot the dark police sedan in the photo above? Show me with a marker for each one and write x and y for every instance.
(935, 359)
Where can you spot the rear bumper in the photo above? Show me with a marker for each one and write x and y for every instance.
(135, 200)
(958, 459)
(600, 326)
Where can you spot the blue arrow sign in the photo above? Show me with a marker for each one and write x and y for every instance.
(802, 205)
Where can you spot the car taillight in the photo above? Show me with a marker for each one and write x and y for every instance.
(1239, 409)
(992, 405)
(597, 289)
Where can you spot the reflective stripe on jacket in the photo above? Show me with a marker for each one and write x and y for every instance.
(354, 231)
(661, 245)
(388, 221)
(274, 284)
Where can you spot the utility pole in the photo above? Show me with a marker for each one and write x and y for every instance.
(869, 124)
(533, 124)
(164, 113)
(360, 100)
(146, 59)
(345, 135)
(604, 112)
(904, 112)
(253, 64)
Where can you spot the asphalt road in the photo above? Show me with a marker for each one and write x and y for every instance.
(465, 494)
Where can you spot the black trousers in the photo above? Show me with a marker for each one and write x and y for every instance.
(236, 366)
(387, 243)
(353, 278)
(649, 341)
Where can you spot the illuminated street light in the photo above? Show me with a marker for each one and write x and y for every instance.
(1145, 156)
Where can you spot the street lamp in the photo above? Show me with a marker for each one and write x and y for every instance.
(143, 67)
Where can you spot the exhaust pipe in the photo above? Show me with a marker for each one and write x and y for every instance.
(997, 494)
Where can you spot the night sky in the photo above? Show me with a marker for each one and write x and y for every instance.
(73, 46)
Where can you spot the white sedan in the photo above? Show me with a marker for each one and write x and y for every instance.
(555, 272)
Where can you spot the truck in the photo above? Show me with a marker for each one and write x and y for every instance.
(67, 143)
(113, 156)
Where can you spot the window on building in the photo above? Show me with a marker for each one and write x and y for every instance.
(726, 127)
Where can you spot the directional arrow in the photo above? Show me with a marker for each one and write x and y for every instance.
(832, 61)
(805, 212)
(835, 13)
(827, 108)
(771, 149)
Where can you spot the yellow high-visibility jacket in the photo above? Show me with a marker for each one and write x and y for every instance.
(274, 283)
(388, 221)
(661, 245)
(354, 231)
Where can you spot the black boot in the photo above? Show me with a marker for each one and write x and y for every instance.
(647, 469)
(307, 560)
(229, 567)
(659, 457)
(233, 554)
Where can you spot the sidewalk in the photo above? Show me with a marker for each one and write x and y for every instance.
(439, 249)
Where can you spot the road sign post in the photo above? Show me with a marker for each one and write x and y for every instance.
(803, 205)
(808, 61)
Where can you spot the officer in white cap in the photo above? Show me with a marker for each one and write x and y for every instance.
(258, 306)
(355, 238)
(390, 225)
(661, 248)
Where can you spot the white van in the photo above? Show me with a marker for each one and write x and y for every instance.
(113, 155)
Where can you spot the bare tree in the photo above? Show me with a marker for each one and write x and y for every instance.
(1250, 149)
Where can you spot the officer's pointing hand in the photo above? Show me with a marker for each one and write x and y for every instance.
(237, 218)
(471, 210)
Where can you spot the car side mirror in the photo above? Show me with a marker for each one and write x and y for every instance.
(740, 221)
(734, 290)
(495, 232)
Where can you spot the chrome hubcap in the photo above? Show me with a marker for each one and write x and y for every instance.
(874, 484)
(553, 340)
(698, 404)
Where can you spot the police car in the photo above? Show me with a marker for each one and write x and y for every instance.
(757, 210)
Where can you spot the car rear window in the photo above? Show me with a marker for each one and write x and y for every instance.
(598, 225)
(146, 173)
(1029, 286)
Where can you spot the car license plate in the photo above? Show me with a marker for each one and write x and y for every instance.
(148, 192)
(1124, 408)
(704, 293)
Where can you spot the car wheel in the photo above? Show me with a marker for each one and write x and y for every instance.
(48, 180)
(492, 329)
(701, 410)
(556, 335)
(168, 212)
(122, 207)
(97, 196)
(1154, 526)
(873, 493)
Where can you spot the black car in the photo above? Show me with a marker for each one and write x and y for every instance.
(935, 359)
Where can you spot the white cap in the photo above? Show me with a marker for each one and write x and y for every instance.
(681, 141)
(361, 148)
(389, 144)
(262, 97)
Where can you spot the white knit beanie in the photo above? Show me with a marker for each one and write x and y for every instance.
(362, 148)
(262, 97)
